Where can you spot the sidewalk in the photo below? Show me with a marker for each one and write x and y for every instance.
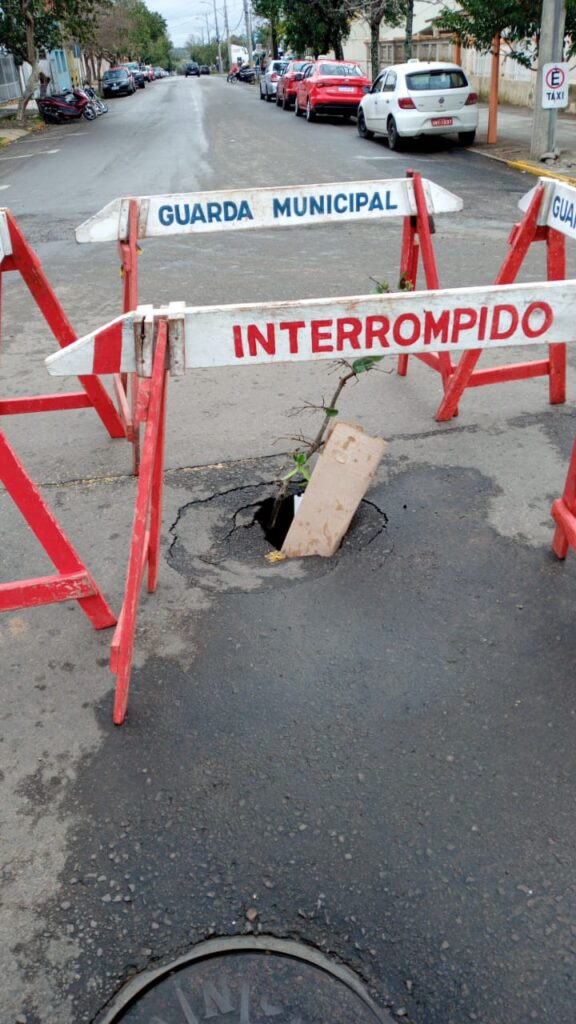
(513, 145)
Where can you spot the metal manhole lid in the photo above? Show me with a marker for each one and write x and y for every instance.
(247, 981)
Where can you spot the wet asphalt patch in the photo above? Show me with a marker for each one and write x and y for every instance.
(376, 760)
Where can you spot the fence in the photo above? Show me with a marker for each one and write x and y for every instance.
(9, 78)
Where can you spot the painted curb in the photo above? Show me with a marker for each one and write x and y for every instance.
(520, 165)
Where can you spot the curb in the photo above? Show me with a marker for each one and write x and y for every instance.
(520, 165)
(526, 167)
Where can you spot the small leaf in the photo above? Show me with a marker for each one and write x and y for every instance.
(300, 458)
(331, 412)
(365, 364)
(306, 473)
(289, 475)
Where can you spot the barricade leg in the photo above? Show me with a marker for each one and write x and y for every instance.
(463, 376)
(25, 261)
(73, 581)
(126, 385)
(421, 227)
(556, 271)
(564, 513)
(145, 542)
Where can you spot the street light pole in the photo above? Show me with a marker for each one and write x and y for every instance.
(248, 20)
(227, 31)
(550, 50)
(217, 37)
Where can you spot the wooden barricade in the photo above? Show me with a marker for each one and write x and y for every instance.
(465, 375)
(151, 342)
(72, 580)
(128, 220)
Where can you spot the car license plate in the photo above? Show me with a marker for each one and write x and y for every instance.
(114, 86)
(441, 122)
(345, 88)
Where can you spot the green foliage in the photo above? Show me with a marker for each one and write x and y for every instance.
(27, 26)
(127, 30)
(272, 12)
(365, 364)
(316, 26)
(301, 468)
(478, 21)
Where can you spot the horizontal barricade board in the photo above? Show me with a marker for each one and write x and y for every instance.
(450, 320)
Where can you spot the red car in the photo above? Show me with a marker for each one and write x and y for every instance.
(330, 87)
(287, 84)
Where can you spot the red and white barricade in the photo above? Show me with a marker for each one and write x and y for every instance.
(130, 220)
(72, 580)
(153, 342)
(544, 220)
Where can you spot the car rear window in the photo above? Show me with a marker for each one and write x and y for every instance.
(115, 75)
(341, 70)
(428, 81)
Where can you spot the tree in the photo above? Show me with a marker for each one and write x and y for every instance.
(271, 10)
(374, 12)
(127, 30)
(30, 26)
(316, 25)
(479, 21)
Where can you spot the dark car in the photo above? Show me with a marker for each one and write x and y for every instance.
(204, 69)
(137, 74)
(118, 82)
(192, 69)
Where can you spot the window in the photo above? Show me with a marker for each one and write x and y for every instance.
(379, 83)
(390, 83)
(340, 71)
(430, 81)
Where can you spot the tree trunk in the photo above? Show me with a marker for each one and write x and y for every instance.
(338, 49)
(375, 48)
(409, 24)
(31, 57)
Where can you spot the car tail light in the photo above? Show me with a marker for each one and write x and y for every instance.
(473, 98)
(405, 103)
(274, 77)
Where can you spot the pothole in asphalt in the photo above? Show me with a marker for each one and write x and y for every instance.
(247, 981)
(220, 544)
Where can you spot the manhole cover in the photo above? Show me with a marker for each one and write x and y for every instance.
(247, 981)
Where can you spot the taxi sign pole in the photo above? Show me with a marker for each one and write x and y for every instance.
(554, 367)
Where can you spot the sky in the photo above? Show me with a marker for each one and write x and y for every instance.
(187, 18)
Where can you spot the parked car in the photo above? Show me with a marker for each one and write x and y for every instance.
(420, 98)
(204, 69)
(269, 80)
(137, 74)
(192, 68)
(149, 72)
(118, 82)
(287, 84)
(160, 73)
(330, 87)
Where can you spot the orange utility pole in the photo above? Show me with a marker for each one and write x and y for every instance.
(493, 103)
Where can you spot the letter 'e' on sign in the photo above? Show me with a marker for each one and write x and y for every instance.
(554, 86)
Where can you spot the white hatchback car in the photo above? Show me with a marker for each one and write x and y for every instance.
(419, 98)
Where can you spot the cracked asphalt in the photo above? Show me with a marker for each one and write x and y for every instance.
(372, 754)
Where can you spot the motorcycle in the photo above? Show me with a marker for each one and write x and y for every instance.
(99, 105)
(247, 74)
(65, 107)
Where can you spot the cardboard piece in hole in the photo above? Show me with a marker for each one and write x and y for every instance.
(338, 483)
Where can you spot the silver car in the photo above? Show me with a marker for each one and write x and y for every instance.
(269, 80)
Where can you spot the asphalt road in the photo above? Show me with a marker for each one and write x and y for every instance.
(373, 753)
